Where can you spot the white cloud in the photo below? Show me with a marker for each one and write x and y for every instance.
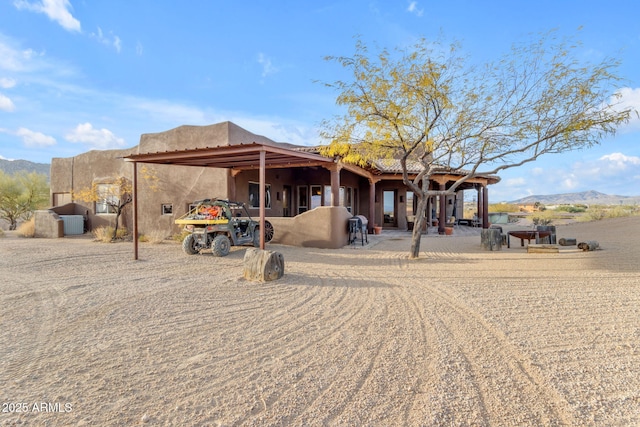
(628, 98)
(6, 83)
(12, 59)
(56, 10)
(617, 162)
(6, 104)
(570, 182)
(110, 40)
(537, 171)
(514, 182)
(139, 49)
(100, 139)
(35, 139)
(413, 8)
(267, 66)
(162, 111)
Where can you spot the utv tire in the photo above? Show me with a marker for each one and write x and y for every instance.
(268, 234)
(221, 245)
(189, 245)
(268, 231)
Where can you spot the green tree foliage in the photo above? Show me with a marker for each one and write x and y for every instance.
(430, 108)
(21, 194)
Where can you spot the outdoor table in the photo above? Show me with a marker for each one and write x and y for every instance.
(527, 234)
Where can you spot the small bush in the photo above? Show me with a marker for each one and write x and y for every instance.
(571, 209)
(596, 213)
(27, 229)
(105, 234)
(503, 207)
(543, 217)
(156, 237)
(179, 237)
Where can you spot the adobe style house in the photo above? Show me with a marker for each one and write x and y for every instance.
(308, 197)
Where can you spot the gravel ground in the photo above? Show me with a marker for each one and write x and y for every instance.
(459, 337)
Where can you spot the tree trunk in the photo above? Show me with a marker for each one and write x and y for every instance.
(262, 265)
(417, 228)
(115, 227)
(567, 241)
(591, 245)
(491, 239)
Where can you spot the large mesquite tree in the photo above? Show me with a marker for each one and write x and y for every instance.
(21, 194)
(428, 107)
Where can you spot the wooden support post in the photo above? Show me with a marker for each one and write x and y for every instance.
(372, 204)
(262, 195)
(442, 215)
(135, 210)
(335, 184)
(485, 207)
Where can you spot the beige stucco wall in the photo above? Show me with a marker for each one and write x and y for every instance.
(323, 227)
(48, 224)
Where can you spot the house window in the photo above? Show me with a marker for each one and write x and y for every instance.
(108, 198)
(316, 196)
(254, 195)
(167, 209)
(327, 195)
(303, 199)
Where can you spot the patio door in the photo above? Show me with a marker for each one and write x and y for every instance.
(286, 200)
(389, 208)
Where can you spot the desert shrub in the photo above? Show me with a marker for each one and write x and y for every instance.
(503, 207)
(621, 211)
(543, 217)
(596, 213)
(105, 234)
(179, 237)
(27, 228)
(593, 214)
(571, 209)
(155, 236)
(1, 233)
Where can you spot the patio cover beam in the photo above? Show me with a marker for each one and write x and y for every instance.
(236, 157)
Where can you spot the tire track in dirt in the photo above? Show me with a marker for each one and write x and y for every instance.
(40, 332)
(513, 385)
(329, 333)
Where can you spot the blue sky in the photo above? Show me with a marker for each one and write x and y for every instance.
(77, 75)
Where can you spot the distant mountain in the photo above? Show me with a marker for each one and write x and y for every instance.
(585, 197)
(12, 166)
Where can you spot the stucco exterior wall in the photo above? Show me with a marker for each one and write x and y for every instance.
(323, 227)
(48, 224)
(177, 186)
